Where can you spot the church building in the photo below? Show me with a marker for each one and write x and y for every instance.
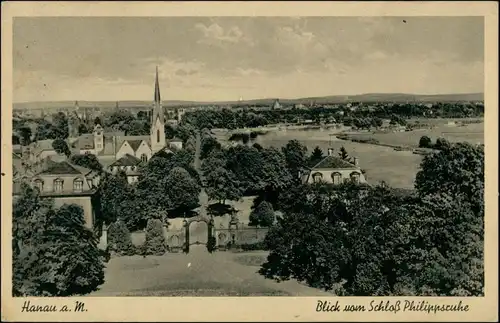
(110, 147)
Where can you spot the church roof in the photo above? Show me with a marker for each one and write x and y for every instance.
(157, 87)
(134, 144)
(127, 160)
(333, 162)
(133, 141)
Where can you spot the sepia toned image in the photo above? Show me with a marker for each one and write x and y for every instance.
(246, 156)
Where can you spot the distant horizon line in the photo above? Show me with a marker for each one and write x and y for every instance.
(262, 98)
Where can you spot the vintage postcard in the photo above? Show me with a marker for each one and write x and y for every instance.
(249, 161)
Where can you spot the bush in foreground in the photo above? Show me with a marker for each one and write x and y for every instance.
(155, 240)
(54, 254)
(119, 239)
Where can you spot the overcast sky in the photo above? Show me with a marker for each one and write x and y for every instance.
(205, 58)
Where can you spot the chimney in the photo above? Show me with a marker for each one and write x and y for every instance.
(356, 161)
(330, 151)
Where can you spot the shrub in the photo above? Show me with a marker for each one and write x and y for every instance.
(425, 142)
(155, 240)
(262, 215)
(119, 240)
(261, 245)
(442, 144)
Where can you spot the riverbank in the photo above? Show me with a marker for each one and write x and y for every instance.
(372, 141)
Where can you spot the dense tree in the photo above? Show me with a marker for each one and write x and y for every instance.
(442, 144)
(25, 135)
(155, 243)
(373, 241)
(344, 155)
(257, 146)
(456, 170)
(185, 131)
(262, 215)
(208, 144)
(44, 130)
(54, 254)
(61, 147)
(83, 128)
(170, 132)
(447, 237)
(273, 174)
(425, 142)
(60, 128)
(221, 185)
(114, 191)
(119, 240)
(119, 120)
(152, 188)
(342, 245)
(245, 163)
(15, 140)
(137, 128)
(97, 121)
(183, 191)
(316, 156)
(89, 161)
(296, 158)
(190, 145)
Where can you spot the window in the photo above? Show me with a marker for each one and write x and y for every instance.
(58, 185)
(158, 135)
(355, 177)
(337, 178)
(90, 183)
(39, 184)
(317, 177)
(78, 185)
(144, 157)
(132, 168)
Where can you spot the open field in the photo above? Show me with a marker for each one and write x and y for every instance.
(196, 274)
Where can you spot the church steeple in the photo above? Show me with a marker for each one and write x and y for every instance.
(157, 133)
(157, 88)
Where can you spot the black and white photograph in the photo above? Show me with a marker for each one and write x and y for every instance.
(235, 156)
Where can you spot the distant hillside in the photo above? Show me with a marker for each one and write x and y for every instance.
(369, 97)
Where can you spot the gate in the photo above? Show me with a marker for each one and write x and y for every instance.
(198, 231)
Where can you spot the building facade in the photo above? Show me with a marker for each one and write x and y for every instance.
(66, 183)
(334, 170)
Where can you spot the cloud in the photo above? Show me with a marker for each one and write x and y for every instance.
(376, 56)
(249, 71)
(168, 68)
(214, 34)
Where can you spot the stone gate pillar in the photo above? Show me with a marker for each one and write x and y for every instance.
(103, 240)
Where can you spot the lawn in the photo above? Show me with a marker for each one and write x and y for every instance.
(196, 274)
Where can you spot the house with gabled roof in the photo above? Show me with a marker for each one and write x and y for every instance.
(128, 164)
(66, 183)
(334, 170)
